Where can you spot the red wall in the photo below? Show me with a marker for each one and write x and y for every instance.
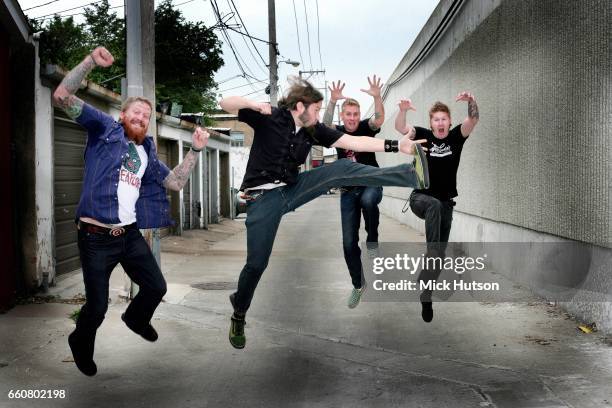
(7, 254)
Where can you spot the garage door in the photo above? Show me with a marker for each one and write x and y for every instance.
(187, 196)
(69, 145)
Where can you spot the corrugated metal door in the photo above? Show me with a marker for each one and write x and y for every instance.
(163, 153)
(69, 145)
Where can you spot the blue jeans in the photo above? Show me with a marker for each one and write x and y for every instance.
(100, 253)
(265, 212)
(352, 203)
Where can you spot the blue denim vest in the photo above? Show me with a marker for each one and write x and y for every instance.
(105, 149)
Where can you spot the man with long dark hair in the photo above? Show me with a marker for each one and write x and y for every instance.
(273, 185)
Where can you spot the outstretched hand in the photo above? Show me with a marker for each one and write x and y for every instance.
(199, 139)
(465, 96)
(406, 105)
(102, 57)
(375, 87)
(336, 89)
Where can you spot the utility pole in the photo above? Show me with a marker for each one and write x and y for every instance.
(272, 52)
(140, 25)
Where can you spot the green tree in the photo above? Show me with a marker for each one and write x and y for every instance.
(103, 27)
(187, 55)
(62, 42)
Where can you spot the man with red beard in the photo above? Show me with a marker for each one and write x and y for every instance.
(124, 190)
(435, 204)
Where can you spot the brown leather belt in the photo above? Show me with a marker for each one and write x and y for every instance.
(96, 229)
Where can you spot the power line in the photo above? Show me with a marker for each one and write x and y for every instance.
(41, 5)
(319, 35)
(241, 86)
(70, 9)
(254, 92)
(217, 14)
(247, 31)
(308, 34)
(297, 32)
(247, 44)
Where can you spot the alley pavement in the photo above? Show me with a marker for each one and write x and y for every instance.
(305, 348)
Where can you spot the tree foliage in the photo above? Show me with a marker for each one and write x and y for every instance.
(187, 54)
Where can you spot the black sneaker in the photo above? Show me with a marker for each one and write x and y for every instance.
(420, 167)
(82, 354)
(426, 307)
(148, 333)
(236, 333)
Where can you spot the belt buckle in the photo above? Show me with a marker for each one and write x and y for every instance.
(116, 232)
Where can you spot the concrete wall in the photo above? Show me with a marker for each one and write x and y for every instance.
(538, 166)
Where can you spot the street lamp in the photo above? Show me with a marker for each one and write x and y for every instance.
(271, 89)
(293, 63)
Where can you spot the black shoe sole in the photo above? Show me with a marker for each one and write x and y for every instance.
(152, 337)
(423, 158)
(427, 311)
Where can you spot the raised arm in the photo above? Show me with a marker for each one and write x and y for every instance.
(371, 144)
(400, 120)
(336, 95)
(64, 95)
(178, 176)
(233, 104)
(471, 121)
(378, 118)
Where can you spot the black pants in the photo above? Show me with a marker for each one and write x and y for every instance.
(438, 216)
(100, 253)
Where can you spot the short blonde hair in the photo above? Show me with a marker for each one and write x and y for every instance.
(350, 102)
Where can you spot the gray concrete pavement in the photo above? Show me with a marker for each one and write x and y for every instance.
(305, 348)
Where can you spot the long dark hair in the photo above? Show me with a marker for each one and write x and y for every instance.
(300, 91)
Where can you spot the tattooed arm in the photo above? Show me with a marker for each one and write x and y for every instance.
(64, 96)
(471, 121)
(336, 94)
(378, 118)
(178, 176)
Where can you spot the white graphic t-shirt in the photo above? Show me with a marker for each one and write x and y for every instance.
(128, 190)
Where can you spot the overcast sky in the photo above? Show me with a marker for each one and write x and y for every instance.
(357, 38)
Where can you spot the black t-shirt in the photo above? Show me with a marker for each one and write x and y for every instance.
(278, 150)
(443, 161)
(363, 129)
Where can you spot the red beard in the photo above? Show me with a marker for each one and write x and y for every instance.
(134, 133)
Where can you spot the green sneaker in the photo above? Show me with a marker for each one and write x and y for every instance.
(236, 333)
(355, 297)
(420, 167)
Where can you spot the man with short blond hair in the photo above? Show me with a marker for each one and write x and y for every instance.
(124, 190)
(359, 199)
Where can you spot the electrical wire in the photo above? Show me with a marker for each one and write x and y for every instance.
(41, 5)
(308, 34)
(319, 35)
(297, 32)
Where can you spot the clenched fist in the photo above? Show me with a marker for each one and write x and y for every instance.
(102, 57)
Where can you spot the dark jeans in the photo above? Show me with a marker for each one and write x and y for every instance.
(352, 203)
(100, 253)
(438, 216)
(265, 212)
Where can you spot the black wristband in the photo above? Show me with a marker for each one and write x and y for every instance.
(391, 146)
(196, 150)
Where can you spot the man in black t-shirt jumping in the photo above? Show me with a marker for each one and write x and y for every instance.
(435, 204)
(357, 200)
(273, 186)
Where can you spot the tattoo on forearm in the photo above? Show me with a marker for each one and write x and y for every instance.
(72, 81)
(328, 116)
(72, 105)
(178, 177)
(473, 110)
(372, 123)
